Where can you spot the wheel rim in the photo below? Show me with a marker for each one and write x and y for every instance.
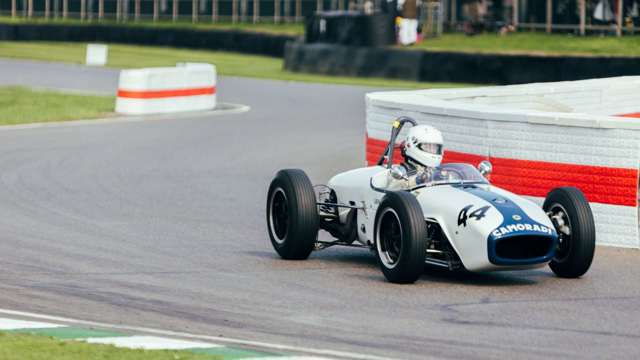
(389, 235)
(562, 224)
(279, 215)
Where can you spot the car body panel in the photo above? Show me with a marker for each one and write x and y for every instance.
(353, 187)
(476, 218)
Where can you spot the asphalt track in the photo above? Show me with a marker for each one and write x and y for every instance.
(161, 224)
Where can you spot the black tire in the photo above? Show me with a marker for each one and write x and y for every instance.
(401, 258)
(575, 251)
(292, 215)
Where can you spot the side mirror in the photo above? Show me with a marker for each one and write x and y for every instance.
(485, 168)
(398, 172)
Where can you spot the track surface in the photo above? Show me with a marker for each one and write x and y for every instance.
(161, 224)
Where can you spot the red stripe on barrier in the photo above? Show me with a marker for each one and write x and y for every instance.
(159, 94)
(633, 115)
(606, 185)
(375, 148)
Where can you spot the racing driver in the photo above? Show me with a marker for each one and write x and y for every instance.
(422, 152)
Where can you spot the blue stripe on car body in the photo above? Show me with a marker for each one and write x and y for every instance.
(510, 227)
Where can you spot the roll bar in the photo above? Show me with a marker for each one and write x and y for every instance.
(395, 130)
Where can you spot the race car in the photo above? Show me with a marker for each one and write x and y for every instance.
(456, 220)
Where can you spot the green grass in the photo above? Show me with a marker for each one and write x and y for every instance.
(227, 63)
(19, 105)
(30, 347)
(205, 23)
(538, 43)
(521, 42)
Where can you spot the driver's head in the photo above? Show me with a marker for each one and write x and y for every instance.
(423, 145)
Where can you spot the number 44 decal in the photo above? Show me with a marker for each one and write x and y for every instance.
(477, 214)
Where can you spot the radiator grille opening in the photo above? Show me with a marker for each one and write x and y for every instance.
(523, 247)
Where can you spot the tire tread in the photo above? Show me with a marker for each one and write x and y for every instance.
(409, 210)
(583, 228)
(303, 230)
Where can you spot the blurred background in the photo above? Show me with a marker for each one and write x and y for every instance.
(471, 16)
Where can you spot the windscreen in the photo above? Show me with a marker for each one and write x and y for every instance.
(456, 173)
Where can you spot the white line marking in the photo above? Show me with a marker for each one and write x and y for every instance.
(11, 324)
(150, 343)
(215, 339)
(227, 110)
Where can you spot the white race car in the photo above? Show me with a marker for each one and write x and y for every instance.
(456, 220)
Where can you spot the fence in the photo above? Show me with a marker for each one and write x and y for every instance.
(255, 11)
(579, 16)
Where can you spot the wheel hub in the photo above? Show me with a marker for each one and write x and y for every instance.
(279, 219)
(562, 224)
(389, 243)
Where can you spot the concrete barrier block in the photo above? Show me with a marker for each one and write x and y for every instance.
(97, 54)
(563, 119)
(186, 87)
(620, 123)
(616, 225)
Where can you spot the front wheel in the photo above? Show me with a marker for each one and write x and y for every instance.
(292, 215)
(400, 236)
(571, 215)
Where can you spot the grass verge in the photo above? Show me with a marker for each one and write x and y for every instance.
(31, 347)
(521, 42)
(227, 63)
(20, 105)
(535, 43)
(295, 29)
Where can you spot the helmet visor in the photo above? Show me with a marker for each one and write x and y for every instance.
(431, 148)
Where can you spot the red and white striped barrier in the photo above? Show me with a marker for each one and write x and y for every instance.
(186, 87)
(538, 137)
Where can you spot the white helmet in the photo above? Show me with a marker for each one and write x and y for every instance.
(423, 145)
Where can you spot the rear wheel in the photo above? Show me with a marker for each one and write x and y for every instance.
(572, 218)
(292, 216)
(400, 235)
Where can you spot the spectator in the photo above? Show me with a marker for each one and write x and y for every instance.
(507, 17)
(368, 7)
(408, 24)
(632, 12)
(507, 11)
(474, 12)
(603, 13)
(390, 7)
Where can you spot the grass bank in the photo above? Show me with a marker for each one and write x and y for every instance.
(535, 43)
(20, 105)
(520, 42)
(30, 347)
(204, 24)
(227, 63)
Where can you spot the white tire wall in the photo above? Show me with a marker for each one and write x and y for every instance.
(186, 87)
(538, 137)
